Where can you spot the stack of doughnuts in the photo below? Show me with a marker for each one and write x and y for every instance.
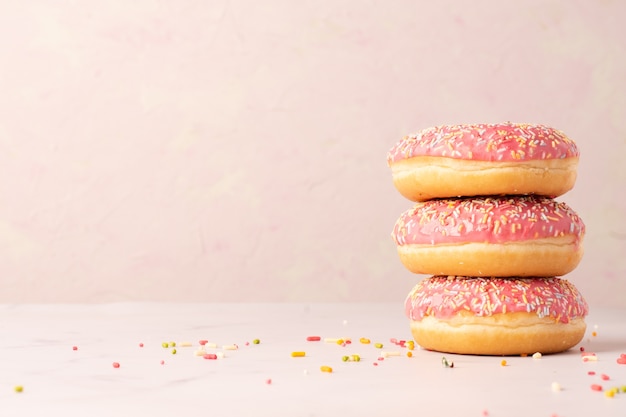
(487, 227)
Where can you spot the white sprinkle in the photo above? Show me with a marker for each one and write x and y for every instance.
(230, 347)
(556, 387)
(345, 322)
(388, 354)
(199, 352)
(220, 355)
(537, 355)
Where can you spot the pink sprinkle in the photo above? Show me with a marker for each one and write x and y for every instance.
(394, 340)
(596, 387)
(313, 339)
(268, 381)
(162, 362)
(247, 343)
(210, 356)
(74, 347)
(375, 364)
(140, 344)
(485, 413)
(621, 360)
(348, 342)
(380, 358)
(604, 377)
(203, 342)
(402, 343)
(116, 364)
(591, 373)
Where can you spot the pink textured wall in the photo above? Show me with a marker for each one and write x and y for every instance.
(235, 150)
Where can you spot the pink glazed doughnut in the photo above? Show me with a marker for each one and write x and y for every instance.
(483, 159)
(490, 236)
(496, 316)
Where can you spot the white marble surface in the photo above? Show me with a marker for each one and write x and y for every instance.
(37, 340)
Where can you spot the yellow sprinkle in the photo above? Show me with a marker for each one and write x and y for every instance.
(297, 354)
(326, 369)
(256, 341)
(330, 340)
(173, 351)
(623, 388)
(503, 363)
(172, 344)
(356, 358)
(19, 388)
(165, 345)
(230, 347)
(609, 393)
(378, 345)
(364, 340)
(340, 341)
(410, 345)
(409, 354)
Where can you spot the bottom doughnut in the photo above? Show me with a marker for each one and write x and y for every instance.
(496, 316)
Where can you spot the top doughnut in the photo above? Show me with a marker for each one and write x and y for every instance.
(484, 159)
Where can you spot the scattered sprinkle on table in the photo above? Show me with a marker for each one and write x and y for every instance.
(116, 364)
(503, 362)
(256, 342)
(556, 387)
(326, 369)
(313, 338)
(298, 354)
(19, 388)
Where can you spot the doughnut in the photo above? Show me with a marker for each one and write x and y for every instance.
(490, 236)
(496, 316)
(483, 159)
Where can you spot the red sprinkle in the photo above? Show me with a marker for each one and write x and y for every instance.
(313, 339)
(596, 387)
(203, 342)
(210, 356)
(74, 347)
(116, 364)
(140, 344)
(380, 358)
(604, 377)
(348, 342)
(591, 373)
(375, 364)
(268, 381)
(621, 360)
(582, 348)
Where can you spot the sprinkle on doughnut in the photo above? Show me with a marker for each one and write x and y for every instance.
(486, 219)
(486, 142)
(444, 296)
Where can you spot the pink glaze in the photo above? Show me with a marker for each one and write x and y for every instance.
(486, 142)
(486, 220)
(442, 297)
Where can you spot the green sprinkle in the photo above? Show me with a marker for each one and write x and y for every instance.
(345, 358)
(173, 351)
(256, 341)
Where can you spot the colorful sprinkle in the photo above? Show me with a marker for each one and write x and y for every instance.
(503, 362)
(378, 345)
(556, 387)
(256, 341)
(116, 364)
(537, 355)
(74, 347)
(297, 354)
(447, 364)
(18, 388)
(313, 339)
(596, 387)
(364, 341)
(326, 369)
